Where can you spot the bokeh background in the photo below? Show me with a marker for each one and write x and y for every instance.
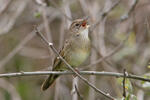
(121, 36)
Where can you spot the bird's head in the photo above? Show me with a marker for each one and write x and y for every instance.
(80, 27)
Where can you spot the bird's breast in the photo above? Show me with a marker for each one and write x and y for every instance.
(78, 56)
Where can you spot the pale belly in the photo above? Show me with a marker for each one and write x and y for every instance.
(74, 58)
(78, 57)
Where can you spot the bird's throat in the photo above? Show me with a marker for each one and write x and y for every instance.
(84, 34)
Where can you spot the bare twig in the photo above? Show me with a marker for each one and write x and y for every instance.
(46, 24)
(5, 6)
(123, 82)
(78, 93)
(9, 87)
(104, 14)
(147, 26)
(47, 27)
(19, 47)
(22, 43)
(60, 10)
(35, 73)
(74, 85)
(82, 78)
(45, 18)
(46, 4)
(126, 16)
(6, 22)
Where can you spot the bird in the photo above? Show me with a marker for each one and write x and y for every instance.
(75, 51)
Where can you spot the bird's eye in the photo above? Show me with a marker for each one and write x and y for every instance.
(77, 24)
(77, 34)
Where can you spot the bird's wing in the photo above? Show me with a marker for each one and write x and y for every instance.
(62, 52)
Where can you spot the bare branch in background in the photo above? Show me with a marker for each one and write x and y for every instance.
(74, 91)
(14, 9)
(55, 5)
(22, 43)
(73, 70)
(4, 5)
(78, 93)
(18, 47)
(147, 26)
(47, 27)
(6, 85)
(46, 24)
(133, 5)
(104, 14)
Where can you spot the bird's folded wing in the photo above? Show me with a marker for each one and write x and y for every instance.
(62, 52)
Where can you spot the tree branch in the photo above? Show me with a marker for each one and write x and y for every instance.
(78, 93)
(126, 16)
(124, 83)
(18, 47)
(104, 14)
(35, 73)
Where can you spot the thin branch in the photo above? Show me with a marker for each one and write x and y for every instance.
(112, 7)
(10, 88)
(147, 26)
(22, 43)
(126, 16)
(74, 85)
(35, 73)
(123, 82)
(18, 47)
(47, 27)
(60, 10)
(104, 14)
(46, 24)
(78, 93)
(72, 69)
(5, 6)
(46, 4)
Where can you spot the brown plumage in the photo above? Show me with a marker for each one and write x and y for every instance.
(75, 51)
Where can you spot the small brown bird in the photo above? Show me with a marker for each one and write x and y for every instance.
(75, 51)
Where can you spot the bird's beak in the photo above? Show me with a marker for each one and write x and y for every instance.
(85, 24)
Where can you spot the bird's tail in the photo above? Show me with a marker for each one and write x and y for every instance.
(48, 82)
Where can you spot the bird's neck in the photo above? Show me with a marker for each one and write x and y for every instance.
(84, 41)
